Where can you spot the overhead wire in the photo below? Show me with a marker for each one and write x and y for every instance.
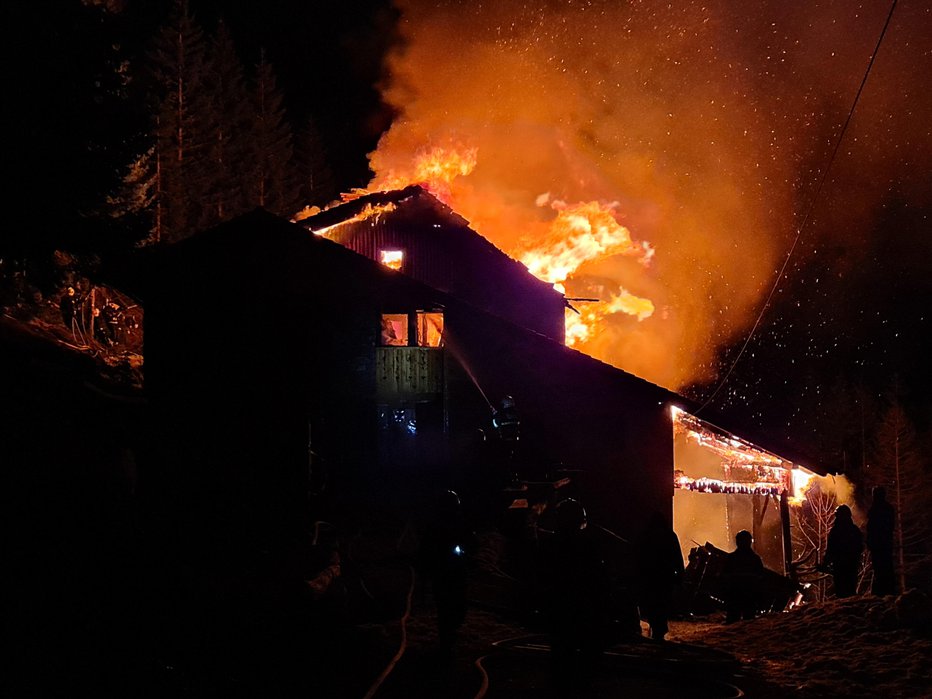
(809, 209)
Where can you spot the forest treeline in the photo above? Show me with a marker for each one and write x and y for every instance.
(136, 128)
(869, 437)
(218, 142)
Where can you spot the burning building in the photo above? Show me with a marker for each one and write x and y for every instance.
(278, 360)
(411, 231)
(268, 347)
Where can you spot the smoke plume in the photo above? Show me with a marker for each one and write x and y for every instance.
(703, 128)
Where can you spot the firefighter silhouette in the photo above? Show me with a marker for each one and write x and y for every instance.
(444, 551)
(660, 569)
(507, 427)
(506, 422)
(68, 306)
(110, 317)
(843, 553)
(101, 327)
(576, 595)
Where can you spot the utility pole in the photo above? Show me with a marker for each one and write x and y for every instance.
(788, 569)
(899, 501)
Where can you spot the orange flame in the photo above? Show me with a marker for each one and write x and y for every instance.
(582, 233)
(368, 211)
(802, 482)
(587, 323)
(589, 106)
(434, 169)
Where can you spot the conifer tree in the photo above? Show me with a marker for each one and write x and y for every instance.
(270, 181)
(137, 193)
(898, 465)
(231, 122)
(184, 128)
(68, 121)
(316, 182)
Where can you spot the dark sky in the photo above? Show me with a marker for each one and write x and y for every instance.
(328, 57)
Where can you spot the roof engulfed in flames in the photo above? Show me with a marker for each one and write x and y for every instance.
(434, 169)
(579, 234)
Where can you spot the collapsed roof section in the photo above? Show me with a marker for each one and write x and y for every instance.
(411, 231)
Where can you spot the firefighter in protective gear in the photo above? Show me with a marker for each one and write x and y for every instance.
(444, 551)
(505, 420)
(68, 306)
(111, 316)
(576, 596)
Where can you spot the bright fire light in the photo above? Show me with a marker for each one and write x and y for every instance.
(748, 469)
(393, 259)
(435, 169)
(580, 234)
(370, 211)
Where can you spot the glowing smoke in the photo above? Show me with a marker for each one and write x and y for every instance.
(701, 126)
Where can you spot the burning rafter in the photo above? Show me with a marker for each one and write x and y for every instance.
(369, 211)
(747, 468)
(712, 485)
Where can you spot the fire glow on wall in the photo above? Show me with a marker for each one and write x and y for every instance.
(723, 484)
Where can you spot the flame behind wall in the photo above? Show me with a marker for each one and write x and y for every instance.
(693, 127)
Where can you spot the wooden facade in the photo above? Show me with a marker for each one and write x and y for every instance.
(408, 374)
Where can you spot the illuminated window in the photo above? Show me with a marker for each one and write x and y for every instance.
(395, 329)
(429, 329)
(392, 259)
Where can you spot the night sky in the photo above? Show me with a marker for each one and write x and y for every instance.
(712, 123)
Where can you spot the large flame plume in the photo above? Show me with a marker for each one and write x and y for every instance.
(651, 120)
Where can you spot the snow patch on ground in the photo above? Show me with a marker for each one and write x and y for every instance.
(856, 647)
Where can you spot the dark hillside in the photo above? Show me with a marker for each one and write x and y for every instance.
(70, 435)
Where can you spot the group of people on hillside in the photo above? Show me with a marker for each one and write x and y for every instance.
(105, 318)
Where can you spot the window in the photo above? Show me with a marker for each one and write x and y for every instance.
(429, 329)
(393, 259)
(395, 329)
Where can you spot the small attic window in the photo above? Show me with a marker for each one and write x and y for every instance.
(395, 329)
(393, 259)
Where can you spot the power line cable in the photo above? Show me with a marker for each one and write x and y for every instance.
(812, 202)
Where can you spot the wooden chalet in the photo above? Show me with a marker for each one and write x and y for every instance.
(269, 368)
(280, 363)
